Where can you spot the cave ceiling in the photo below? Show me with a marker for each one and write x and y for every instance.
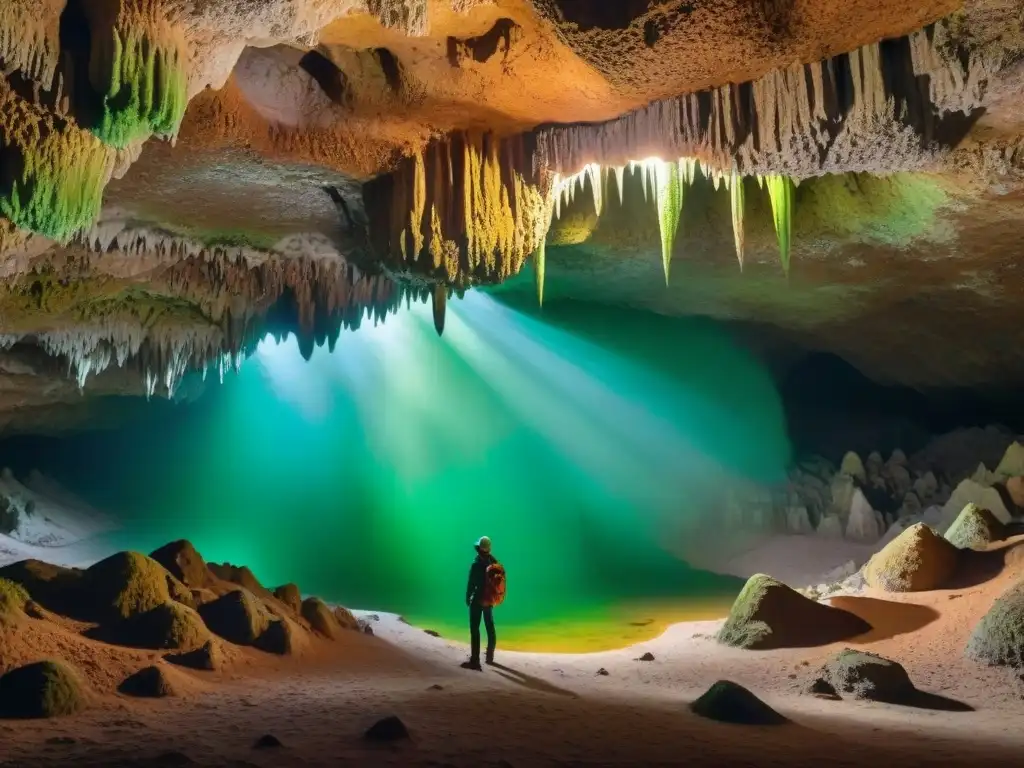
(179, 178)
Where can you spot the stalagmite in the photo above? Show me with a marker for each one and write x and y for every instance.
(440, 305)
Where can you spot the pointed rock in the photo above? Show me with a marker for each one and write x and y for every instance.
(440, 305)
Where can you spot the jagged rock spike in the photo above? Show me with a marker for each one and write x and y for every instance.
(440, 306)
(620, 176)
(670, 207)
(538, 271)
(780, 192)
(736, 197)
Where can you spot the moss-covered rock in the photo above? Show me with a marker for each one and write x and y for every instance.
(13, 599)
(149, 682)
(999, 637)
(729, 702)
(43, 689)
(290, 596)
(865, 675)
(170, 626)
(129, 583)
(56, 588)
(321, 618)
(183, 562)
(208, 657)
(768, 614)
(915, 561)
(237, 616)
(974, 528)
(242, 576)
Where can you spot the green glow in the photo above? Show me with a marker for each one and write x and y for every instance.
(538, 271)
(143, 88)
(780, 191)
(577, 444)
(670, 206)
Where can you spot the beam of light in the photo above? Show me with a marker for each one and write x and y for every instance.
(364, 474)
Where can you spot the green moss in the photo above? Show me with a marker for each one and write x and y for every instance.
(729, 702)
(999, 637)
(13, 597)
(142, 85)
(974, 528)
(43, 689)
(129, 583)
(170, 626)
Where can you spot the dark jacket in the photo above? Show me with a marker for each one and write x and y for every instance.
(478, 577)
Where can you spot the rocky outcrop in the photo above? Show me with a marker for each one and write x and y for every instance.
(153, 682)
(915, 561)
(729, 702)
(42, 689)
(974, 528)
(863, 675)
(999, 637)
(768, 614)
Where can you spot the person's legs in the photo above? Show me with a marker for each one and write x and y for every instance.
(492, 638)
(475, 611)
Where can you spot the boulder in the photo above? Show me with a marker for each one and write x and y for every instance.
(768, 614)
(128, 583)
(149, 682)
(280, 637)
(344, 617)
(864, 524)
(242, 576)
(999, 637)
(170, 626)
(970, 492)
(387, 730)
(237, 616)
(729, 702)
(321, 618)
(865, 676)
(42, 689)
(183, 562)
(852, 465)
(289, 595)
(208, 657)
(915, 561)
(974, 528)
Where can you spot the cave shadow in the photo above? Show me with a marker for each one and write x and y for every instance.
(978, 567)
(887, 618)
(933, 701)
(531, 682)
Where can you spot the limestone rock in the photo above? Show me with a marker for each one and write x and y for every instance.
(974, 528)
(926, 486)
(1012, 464)
(917, 560)
(853, 466)
(320, 618)
(866, 676)
(983, 477)
(348, 621)
(183, 562)
(149, 682)
(899, 481)
(999, 637)
(863, 524)
(42, 689)
(970, 492)
(729, 702)
(768, 614)
(797, 521)
(289, 595)
(281, 637)
(1015, 489)
(911, 505)
(841, 490)
(898, 458)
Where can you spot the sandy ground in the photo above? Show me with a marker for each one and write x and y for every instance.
(550, 709)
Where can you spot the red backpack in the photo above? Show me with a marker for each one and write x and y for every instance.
(494, 585)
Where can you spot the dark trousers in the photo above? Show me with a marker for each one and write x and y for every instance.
(475, 612)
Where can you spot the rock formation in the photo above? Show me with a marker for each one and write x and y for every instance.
(729, 702)
(864, 675)
(916, 560)
(974, 528)
(42, 689)
(999, 637)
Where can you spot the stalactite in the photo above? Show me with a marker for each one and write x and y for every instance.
(780, 192)
(440, 305)
(737, 202)
(30, 38)
(539, 267)
(670, 206)
(59, 169)
(467, 210)
(139, 68)
(802, 121)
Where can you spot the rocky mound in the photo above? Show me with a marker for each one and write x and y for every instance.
(999, 637)
(865, 676)
(208, 657)
(974, 528)
(915, 561)
(129, 583)
(242, 576)
(149, 682)
(321, 618)
(389, 729)
(768, 614)
(170, 626)
(289, 595)
(237, 616)
(43, 689)
(347, 620)
(729, 702)
(280, 637)
(54, 587)
(13, 598)
(183, 562)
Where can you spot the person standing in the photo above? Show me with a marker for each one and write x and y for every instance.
(485, 590)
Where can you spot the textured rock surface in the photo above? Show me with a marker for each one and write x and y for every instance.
(916, 560)
(42, 689)
(974, 528)
(999, 636)
(865, 675)
(768, 614)
(729, 702)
